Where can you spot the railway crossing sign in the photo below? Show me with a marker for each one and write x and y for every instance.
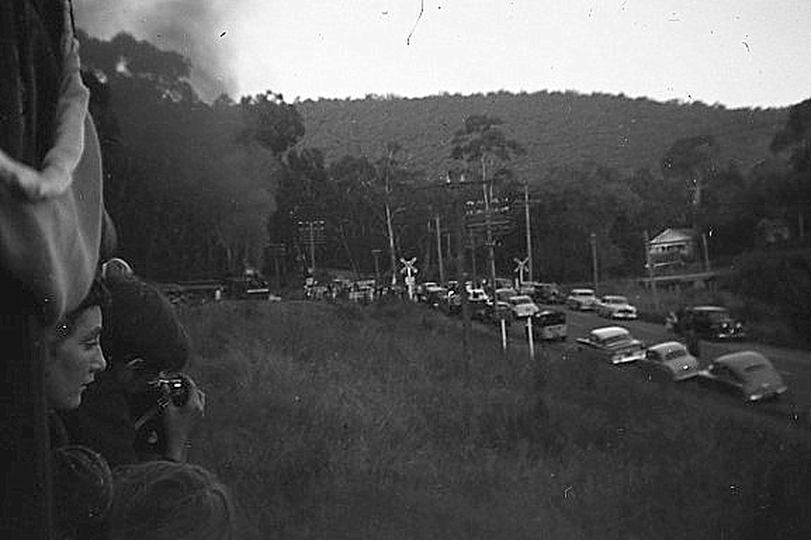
(409, 270)
(521, 266)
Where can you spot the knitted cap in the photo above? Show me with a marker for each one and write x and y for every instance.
(82, 488)
(140, 322)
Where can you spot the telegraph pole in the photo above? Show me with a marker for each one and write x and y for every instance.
(439, 250)
(376, 255)
(312, 233)
(491, 252)
(472, 255)
(649, 265)
(529, 230)
(594, 260)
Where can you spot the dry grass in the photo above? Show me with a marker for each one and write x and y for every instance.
(336, 421)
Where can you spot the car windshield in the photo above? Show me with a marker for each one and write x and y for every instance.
(675, 353)
(720, 316)
(613, 339)
(754, 367)
(548, 319)
(615, 300)
(518, 300)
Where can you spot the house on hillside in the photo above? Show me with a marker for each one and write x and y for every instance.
(672, 246)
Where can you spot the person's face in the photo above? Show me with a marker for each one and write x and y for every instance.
(74, 361)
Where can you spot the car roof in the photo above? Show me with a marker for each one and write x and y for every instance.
(739, 361)
(615, 296)
(610, 331)
(667, 346)
(582, 291)
(522, 297)
(708, 308)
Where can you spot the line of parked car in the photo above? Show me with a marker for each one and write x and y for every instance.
(510, 304)
(610, 306)
(748, 373)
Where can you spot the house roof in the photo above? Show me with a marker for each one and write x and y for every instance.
(669, 236)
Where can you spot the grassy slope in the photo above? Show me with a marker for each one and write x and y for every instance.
(348, 422)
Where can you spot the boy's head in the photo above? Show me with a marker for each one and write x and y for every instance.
(140, 324)
(82, 489)
(166, 500)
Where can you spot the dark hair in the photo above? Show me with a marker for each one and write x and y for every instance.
(140, 322)
(166, 500)
(82, 489)
(97, 296)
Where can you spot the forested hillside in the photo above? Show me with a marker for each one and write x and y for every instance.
(557, 129)
(200, 190)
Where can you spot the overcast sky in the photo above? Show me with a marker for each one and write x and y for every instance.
(740, 53)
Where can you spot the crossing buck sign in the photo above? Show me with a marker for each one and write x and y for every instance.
(409, 270)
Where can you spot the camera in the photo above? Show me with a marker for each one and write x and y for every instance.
(177, 389)
(146, 409)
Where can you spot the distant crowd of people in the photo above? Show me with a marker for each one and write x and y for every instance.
(120, 409)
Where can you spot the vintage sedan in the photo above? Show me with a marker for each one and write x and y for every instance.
(495, 312)
(581, 299)
(613, 344)
(672, 358)
(550, 325)
(614, 306)
(709, 322)
(523, 306)
(746, 372)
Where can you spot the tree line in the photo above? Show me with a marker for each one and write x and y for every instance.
(199, 190)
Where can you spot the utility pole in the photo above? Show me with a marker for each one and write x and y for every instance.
(438, 232)
(707, 267)
(457, 190)
(460, 277)
(649, 266)
(376, 255)
(529, 230)
(311, 233)
(594, 260)
(472, 256)
(491, 253)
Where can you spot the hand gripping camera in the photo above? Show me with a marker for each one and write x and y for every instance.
(147, 408)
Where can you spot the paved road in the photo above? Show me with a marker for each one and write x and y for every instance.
(793, 364)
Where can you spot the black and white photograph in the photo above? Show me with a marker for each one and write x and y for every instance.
(405, 269)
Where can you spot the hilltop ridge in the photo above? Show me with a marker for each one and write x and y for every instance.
(557, 128)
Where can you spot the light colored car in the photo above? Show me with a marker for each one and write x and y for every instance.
(504, 294)
(523, 306)
(613, 344)
(477, 295)
(673, 358)
(747, 372)
(581, 299)
(614, 306)
(423, 288)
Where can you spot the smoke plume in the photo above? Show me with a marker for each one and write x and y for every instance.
(197, 29)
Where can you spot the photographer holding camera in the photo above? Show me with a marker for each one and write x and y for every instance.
(143, 407)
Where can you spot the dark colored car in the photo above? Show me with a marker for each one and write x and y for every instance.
(549, 293)
(494, 313)
(247, 287)
(746, 372)
(708, 322)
